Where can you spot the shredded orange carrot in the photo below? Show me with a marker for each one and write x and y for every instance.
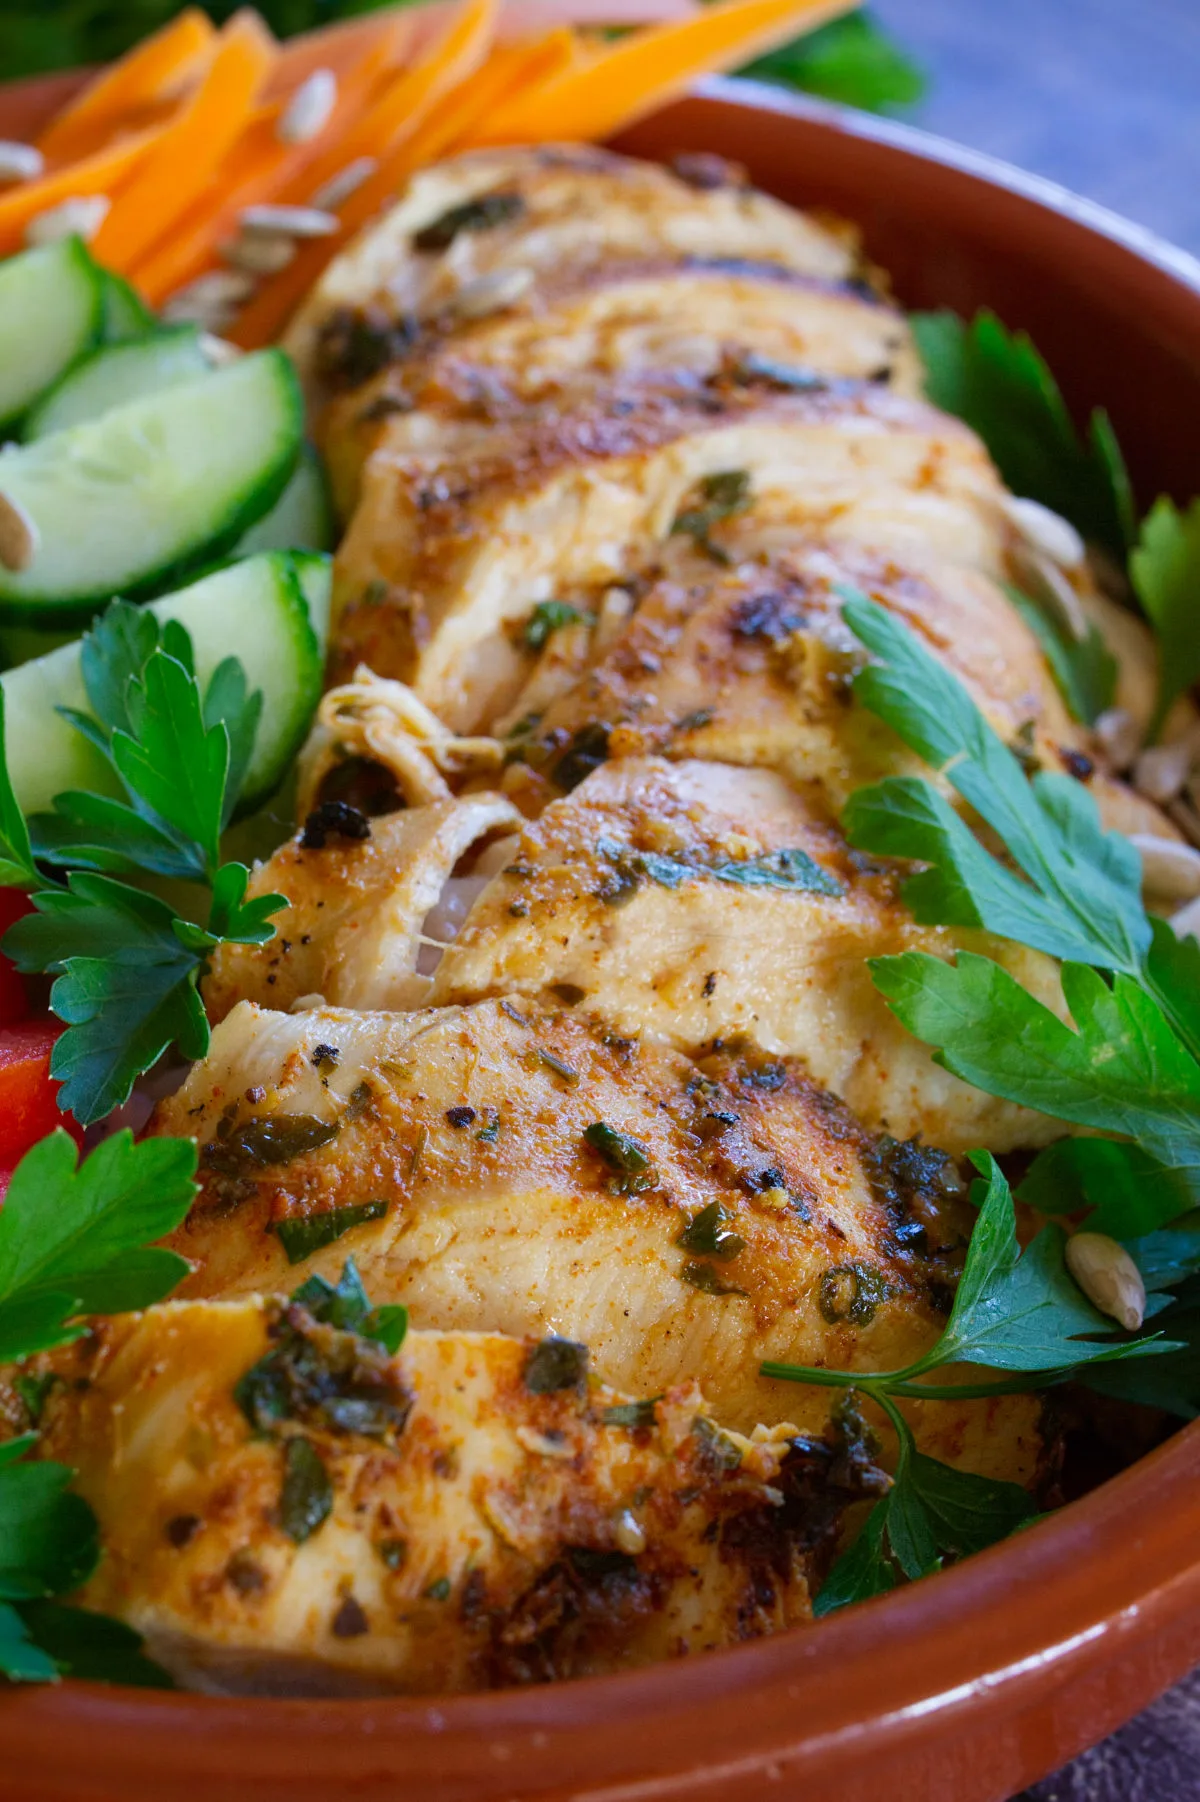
(161, 62)
(409, 101)
(99, 173)
(514, 69)
(179, 169)
(644, 70)
(340, 48)
(257, 168)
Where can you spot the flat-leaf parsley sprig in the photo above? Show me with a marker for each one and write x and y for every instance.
(127, 962)
(1130, 1064)
(73, 1241)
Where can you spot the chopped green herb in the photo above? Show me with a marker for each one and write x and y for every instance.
(569, 1075)
(627, 1156)
(301, 1236)
(306, 1499)
(595, 1566)
(269, 1140)
(707, 1232)
(555, 1364)
(394, 1553)
(719, 1449)
(705, 1278)
(478, 215)
(34, 1393)
(790, 869)
(631, 1414)
(851, 1292)
(549, 617)
(488, 1134)
(439, 1590)
(724, 493)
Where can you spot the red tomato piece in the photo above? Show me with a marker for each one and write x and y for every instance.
(28, 1094)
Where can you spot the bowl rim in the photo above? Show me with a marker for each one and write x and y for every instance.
(1120, 1568)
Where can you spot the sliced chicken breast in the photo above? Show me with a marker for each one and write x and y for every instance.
(284, 1508)
(527, 1172)
(445, 560)
(560, 342)
(699, 903)
(536, 209)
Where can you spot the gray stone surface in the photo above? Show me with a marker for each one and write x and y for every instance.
(1103, 96)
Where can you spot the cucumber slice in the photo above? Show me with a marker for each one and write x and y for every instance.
(125, 314)
(315, 576)
(116, 374)
(126, 503)
(302, 517)
(20, 644)
(50, 310)
(254, 608)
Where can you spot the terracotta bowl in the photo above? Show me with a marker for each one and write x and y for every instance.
(969, 1685)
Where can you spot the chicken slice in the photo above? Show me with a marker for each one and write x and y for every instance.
(285, 1509)
(487, 213)
(560, 343)
(753, 665)
(359, 892)
(530, 1173)
(698, 902)
(445, 560)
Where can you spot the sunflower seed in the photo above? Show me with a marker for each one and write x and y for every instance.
(81, 217)
(19, 162)
(629, 1533)
(18, 535)
(259, 253)
(491, 293)
(1046, 532)
(211, 300)
(294, 221)
(218, 351)
(1108, 1277)
(1116, 734)
(330, 195)
(308, 110)
(1053, 586)
(1170, 870)
(1161, 771)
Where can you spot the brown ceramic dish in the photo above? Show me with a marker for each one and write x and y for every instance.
(967, 1686)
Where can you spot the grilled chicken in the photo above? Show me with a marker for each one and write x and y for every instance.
(444, 560)
(693, 324)
(484, 215)
(531, 1172)
(352, 933)
(696, 903)
(285, 1509)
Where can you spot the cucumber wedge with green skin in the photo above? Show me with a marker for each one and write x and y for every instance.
(254, 610)
(51, 309)
(302, 517)
(116, 374)
(128, 503)
(314, 573)
(125, 315)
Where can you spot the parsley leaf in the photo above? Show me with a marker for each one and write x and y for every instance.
(16, 858)
(997, 382)
(931, 1512)
(75, 1240)
(1082, 899)
(1128, 1192)
(851, 60)
(1164, 568)
(1122, 1071)
(1084, 669)
(128, 965)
